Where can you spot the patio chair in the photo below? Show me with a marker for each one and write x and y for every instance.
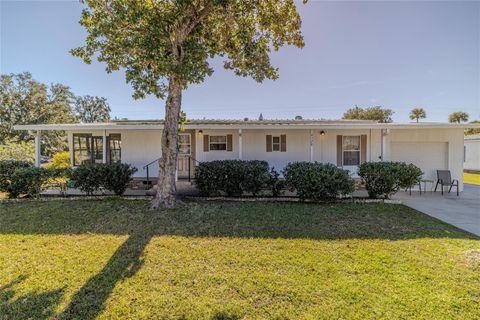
(444, 179)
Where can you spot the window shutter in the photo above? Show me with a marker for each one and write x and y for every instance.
(206, 146)
(363, 148)
(229, 142)
(269, 143)
(283, 143)
(339, 150)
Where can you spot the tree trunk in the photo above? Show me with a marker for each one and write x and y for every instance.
(166, 188)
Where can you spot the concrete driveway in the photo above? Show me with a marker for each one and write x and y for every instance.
(462, 212)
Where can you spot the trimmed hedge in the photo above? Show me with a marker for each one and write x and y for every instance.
(232, 177)
(113, 177)
(317, 181)
(7, 168)
(382, 179)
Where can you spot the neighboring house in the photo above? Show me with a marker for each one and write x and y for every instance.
(472, 152)
(346, 143)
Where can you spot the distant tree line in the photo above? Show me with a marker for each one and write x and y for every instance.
(23, 100)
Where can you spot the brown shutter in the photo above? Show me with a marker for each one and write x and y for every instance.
(363, 148)
(269, 143)
(205, 143)
(283, 143)
(229, 142)
(339, 151)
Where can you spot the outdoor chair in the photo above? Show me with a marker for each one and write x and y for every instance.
(444, 179)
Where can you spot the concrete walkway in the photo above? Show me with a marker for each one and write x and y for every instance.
(462, 212)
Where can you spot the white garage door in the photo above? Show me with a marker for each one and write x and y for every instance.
(429, 156)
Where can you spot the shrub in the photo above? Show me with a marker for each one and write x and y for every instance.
(27, 181)
(232, 177)
(113, 177)
(7, 168)
(116, 176)
(276, 184)
(60, 160)
(317, 181)
(87, 178)
(382, 179)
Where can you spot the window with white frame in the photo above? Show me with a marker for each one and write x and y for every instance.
(351, 150)
(276, 143)
(218, 143)
(184, 144)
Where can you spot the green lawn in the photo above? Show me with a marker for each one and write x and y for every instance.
(471, 178)
(116, 259)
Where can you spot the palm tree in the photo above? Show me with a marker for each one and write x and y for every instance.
(458, 117)
(418, 113)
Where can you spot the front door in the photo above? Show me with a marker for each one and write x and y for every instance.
(184, 153)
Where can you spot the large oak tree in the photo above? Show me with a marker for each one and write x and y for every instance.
(164, 46)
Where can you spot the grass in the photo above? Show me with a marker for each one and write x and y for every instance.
(116, 259)
(471, 178)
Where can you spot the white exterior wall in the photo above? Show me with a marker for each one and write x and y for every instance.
(472, 155)
(202, 156)
(422, 140)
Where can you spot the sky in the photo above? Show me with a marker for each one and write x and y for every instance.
(395, 54)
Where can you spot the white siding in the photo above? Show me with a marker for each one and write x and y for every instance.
(472, 155)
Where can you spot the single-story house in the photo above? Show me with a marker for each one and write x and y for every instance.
(346, 143)
(472, 152)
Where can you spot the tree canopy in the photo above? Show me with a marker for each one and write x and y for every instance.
(377, 113)
(471, 131)
(418, 113)
(458, 117)
(90, 109)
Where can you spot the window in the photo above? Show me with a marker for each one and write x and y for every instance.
(114, 151)
(276, 143)
(218, 143)
(88, 149)
(81, 149)
(351, 150)
(184, 145)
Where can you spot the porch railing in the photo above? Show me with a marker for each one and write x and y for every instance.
(190, 160)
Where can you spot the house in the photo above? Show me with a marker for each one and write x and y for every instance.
(472, 153)
(346, 143)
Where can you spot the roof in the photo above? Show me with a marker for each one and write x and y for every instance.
(247, 124)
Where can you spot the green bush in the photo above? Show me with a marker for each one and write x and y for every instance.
(317, 181)
(113, 177)
(27, 181)
(276, 184)
(116, 176)
(7, 168)
(232, 177)
(382, 179)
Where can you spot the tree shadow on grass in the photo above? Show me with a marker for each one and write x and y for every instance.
(232, 220)
(34, 305)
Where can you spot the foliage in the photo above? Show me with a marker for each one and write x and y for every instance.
(232, 177)
(418, 113)
(23, 100)
(60, 160)
(11, 150)
(27, 181)
(471, 131)
(276, 184)
(115, 177)
(458, 117)
(383, 179)
(90, 109)
(286, 256)
(7, 168)
(317, 181)
(373, 113)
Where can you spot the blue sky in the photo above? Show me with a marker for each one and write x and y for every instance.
(394, 54)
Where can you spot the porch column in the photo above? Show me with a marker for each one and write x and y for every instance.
(311, 145)
(240, 144)
(38, 150)
(104, 149)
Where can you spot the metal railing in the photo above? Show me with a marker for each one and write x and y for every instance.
(190, 160)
